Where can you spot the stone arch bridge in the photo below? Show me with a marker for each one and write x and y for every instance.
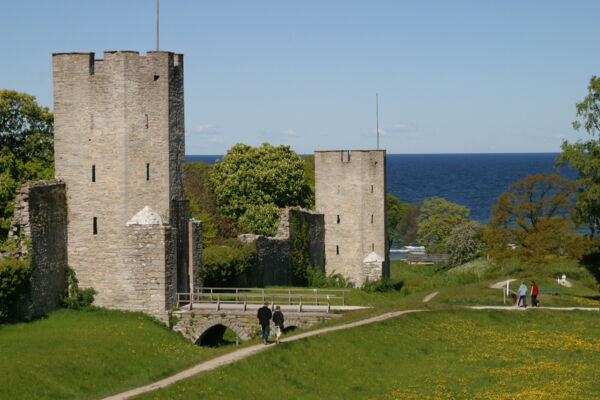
(195, 324)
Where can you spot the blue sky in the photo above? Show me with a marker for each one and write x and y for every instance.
(452, 76)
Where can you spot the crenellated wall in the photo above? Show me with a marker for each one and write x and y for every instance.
(119, 147)
(350, 190)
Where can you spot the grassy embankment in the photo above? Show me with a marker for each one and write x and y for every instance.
(79, 354)
(451, 354)
(92, 354)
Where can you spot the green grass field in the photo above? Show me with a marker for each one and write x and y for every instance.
(91, 354)
(456, 354)
(85, 355)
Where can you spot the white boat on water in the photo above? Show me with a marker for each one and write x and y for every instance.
(409, 249)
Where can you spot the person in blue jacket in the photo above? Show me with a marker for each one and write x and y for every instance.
(522, 295)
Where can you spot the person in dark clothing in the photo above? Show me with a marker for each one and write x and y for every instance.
(534, 294)
(264, 319)
(278, 321)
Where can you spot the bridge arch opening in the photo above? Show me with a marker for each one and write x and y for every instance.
(289, 329)
(217, 336)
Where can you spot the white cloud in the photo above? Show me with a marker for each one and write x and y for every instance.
(207, 129)
(402, 128)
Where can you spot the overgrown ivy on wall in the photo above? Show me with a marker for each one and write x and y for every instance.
(300, 261)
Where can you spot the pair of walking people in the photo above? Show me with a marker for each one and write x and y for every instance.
(523, 294)
(264, 316)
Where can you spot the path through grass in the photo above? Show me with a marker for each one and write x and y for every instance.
(456, 354)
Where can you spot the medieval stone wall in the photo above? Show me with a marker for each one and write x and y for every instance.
(119, 146)
(350, 190)
(40, 223)
(275, 260)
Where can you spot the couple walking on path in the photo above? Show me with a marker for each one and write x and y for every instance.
(523, 294)
(264, 316)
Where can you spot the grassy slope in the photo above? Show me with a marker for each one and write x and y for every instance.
(92, 354)
(455, 354)
(75, 355)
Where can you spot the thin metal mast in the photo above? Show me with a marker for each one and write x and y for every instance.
(157, 24)
(377, 116)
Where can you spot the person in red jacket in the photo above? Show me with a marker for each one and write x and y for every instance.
(534, 294)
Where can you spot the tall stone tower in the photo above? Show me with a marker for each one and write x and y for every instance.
(350, 189)
(119, 147)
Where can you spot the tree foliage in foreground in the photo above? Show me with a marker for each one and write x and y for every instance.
(26, 148)
(584, 156)
(437, 217)
(534, 221)
(250, 182)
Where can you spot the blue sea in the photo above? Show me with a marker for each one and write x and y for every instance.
(472, 180)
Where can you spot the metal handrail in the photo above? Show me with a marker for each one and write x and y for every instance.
(267, 292)
(253, 298)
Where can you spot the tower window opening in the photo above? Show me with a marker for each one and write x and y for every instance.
(93, 173)
(346, 156)
(337, 250)
(156, 77)
(95, 226)
(147, 171)
(147, 122)
(371, 218)
(338, 219)
(371, 188)
(372, 246)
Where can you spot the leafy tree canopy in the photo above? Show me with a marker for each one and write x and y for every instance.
(465, 242)
(437, 218)
(26, 148)
(396, 210)
(533, 220)
(584, 156)
(250, 182)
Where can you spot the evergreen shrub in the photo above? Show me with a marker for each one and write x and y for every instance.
(14, 285)
(224, 264)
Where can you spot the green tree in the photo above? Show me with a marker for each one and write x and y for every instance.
(465, 242)
(533, 220)
(26, 152)
(584, 156)
(215, 226)
(396, 210)
(250, 182)
(437, 217)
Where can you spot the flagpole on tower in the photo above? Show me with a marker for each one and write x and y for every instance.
(157, 24)
(377, 117)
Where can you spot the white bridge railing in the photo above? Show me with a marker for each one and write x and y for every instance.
(251, 296)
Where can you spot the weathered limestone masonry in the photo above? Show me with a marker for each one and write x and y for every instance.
(350, 189)
(119, 147)
(40, 220)
(193, 324)
(300, 230)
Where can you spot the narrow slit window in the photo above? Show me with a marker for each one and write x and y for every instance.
(372, 246)
(147, 122)
(371, 218)
(156, 77)
(371, 188)
(93, 173)
(147, 171)
(337, 250)
(338, 219)
(95, 226)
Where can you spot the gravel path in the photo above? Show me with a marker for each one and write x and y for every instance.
(501, 284)
(429, 297)
(246, 352)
